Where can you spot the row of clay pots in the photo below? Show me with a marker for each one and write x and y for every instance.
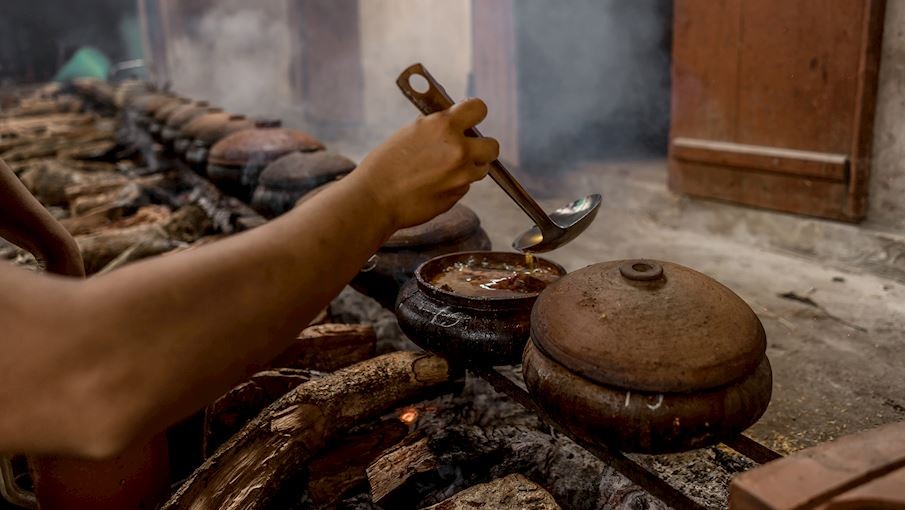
(273, 168)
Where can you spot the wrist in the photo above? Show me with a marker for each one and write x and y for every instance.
(377, 198)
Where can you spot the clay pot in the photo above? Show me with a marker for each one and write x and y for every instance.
(200, 123)
(648, 356)
(162, 114)
(236, 161)
(208, 135)
(456, 230)
(488, 330)
(286, 180)
(646, 422)
(179, 117)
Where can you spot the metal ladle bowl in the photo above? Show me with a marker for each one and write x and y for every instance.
(549, 231)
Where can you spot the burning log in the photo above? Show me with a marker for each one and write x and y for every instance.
(513, 492)
(184, 226)
(247, 471)
(341, 469)
(229, 413)
(329, 347)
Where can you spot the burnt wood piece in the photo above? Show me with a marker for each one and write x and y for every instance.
(329, 347)
(229, 413)
(512, 492)
(184, 226)
(247, 470)
(739, 129)
(397, 466)
(344, 467)
(228, 214)
(836, 474)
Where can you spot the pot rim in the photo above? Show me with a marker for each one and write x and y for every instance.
(478, 301)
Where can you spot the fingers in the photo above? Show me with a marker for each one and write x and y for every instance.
(482, 150)
(467, 114)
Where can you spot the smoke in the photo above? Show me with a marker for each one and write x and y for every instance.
(593, 75)
(236, 55)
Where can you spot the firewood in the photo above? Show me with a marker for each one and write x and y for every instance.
(329, 347)
(184, 226)
(512, 492)
(48, 181)
(251, 467)
(337, 470)
(398, 465)
(111, 217)
(229, 413)
(422, 469)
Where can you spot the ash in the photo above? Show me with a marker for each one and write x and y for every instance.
(480, 435)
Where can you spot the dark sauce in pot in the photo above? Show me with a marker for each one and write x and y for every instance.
(483, 278)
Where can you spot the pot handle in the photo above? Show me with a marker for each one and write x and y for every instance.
(10, 491)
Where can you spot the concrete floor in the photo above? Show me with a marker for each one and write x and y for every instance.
(838, 364)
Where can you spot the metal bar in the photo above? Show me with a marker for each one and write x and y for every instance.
(752, 449)
(629, 468)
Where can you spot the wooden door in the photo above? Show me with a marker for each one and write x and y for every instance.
(773, 102)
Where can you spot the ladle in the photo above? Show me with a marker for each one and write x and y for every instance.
(550, 231)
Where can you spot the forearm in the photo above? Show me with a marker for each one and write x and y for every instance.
(27, 224)
(206, 318)
(133, 351)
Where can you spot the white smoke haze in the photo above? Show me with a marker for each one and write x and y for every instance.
(236, 55)
(593, 74)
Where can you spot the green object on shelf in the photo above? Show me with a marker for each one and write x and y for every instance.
(87, 62)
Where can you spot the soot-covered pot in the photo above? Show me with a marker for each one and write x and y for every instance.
(203, 122)
(162, 114)
(289, 178)
(179, 117)
(235, 162)
(647, 356)
(474, 307)
(458, 229)
(196, 154)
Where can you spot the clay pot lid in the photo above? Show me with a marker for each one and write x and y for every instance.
(185, 113)
(205, 122)
(235, 123)
(155, 102)
(140, 102)
(164, 111)
(260, 146)
(302, 170)
(648, 325)
(454, 224)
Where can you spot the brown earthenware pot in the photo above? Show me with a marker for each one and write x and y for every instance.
(456, 230)
(197, 152)
(687, 349)
(162, 114)
(235, 162)
(486, 330)
(179, 117)
(190, 130)
(286, 180)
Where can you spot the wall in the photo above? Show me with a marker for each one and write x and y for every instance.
(887, 184)
(395, 34)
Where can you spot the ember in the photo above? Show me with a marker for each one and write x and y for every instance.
(408, 415)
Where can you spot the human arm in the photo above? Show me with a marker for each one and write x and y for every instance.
(27, 224)
(89, 366)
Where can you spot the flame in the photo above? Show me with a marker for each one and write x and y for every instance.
(408, 415)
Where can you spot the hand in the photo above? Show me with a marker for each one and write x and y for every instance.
(426, 167)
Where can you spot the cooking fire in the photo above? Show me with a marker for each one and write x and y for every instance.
(446, 255)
